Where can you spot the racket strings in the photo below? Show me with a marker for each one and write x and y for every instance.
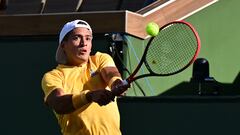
(172, 49)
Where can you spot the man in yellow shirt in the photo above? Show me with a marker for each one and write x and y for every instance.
(79, 88)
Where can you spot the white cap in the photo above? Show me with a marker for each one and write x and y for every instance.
(60, 56)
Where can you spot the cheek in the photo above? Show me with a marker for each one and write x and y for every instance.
(90, 47)
(74, 44)
(69, 49)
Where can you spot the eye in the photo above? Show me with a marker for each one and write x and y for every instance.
(89, 38)
(76, 37)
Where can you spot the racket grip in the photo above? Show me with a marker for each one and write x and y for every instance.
(117, 91)
(125, 82)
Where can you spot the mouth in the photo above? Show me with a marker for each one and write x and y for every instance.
(82, 51)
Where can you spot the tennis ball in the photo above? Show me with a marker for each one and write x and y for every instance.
(152, 29)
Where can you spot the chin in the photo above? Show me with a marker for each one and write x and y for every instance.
(83, 59)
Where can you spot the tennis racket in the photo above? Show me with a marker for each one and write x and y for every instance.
(174, 49)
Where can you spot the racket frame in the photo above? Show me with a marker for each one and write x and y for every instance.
(132, 77)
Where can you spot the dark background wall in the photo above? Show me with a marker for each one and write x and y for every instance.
(24, 61)
(185, 115)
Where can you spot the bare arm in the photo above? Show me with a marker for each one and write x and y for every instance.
(60, 102)
(108, 73)
(112, 77)
(63, 103)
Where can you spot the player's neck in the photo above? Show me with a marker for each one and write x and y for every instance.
(77, 63)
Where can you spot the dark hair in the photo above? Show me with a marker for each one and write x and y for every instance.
(80, 22)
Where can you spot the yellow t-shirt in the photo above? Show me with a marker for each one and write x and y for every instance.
(90, 119)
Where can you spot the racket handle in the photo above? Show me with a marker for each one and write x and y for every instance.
(117, 91)
(125, 82)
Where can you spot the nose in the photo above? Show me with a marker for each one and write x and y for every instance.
(82, 42)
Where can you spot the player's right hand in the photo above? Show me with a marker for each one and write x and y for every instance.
(102, 96)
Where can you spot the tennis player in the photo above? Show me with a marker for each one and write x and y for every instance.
(79, 88)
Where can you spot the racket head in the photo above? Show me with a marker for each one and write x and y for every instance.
(174, 49)
(132, 77)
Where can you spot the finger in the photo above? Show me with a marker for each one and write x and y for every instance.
(102, 103)
(109, 96)
(105, 99)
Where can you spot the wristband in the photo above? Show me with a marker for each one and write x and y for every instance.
(79, 100)
(112, 80)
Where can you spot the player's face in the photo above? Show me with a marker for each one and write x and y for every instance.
(78, 46)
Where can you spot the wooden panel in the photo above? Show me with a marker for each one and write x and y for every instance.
(103, 21)
(135, 24)
(178, 9)
(50, 24)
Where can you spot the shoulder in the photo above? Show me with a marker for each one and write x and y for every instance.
(57, 72)
(102, 60)
(102, 55)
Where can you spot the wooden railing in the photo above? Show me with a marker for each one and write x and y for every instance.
(123, 21)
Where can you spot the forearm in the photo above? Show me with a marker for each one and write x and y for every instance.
(113, 79)
(110, 74)
(65, 103)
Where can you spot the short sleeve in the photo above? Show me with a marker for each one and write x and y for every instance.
(51, 81)
(105, 60)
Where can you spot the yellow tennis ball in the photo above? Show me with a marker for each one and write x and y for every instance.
(152, 29)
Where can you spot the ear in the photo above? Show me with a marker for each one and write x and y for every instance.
(62, 45)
